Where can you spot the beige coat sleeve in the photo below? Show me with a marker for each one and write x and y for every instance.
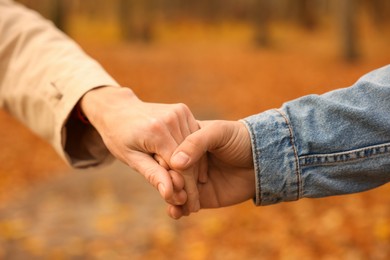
(43, 74)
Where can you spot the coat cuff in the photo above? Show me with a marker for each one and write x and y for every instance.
(278, 176)
(80, 145)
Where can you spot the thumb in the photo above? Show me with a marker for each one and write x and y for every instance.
(191, 150)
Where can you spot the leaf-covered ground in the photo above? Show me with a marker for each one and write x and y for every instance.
(50, 212)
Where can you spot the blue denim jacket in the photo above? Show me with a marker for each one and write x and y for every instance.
(322, 145)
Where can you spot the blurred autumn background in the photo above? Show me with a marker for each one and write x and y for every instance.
(225, 59)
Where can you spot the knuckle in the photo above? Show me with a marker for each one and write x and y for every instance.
(193, 197)
(182, 107)
(156, 125)
(193, 194)
(170, 119)
(151, 177)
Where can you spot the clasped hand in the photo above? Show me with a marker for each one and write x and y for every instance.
(192, 164)
(231, 178)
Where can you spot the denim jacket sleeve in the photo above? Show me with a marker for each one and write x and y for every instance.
(323, 145)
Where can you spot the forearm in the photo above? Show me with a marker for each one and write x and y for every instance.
(43, 75)
(318, 146)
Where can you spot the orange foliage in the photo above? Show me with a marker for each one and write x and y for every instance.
(111, 215)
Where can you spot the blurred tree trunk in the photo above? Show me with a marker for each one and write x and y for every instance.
(380, 11)
(261, 20)
(58, 14)
(306, 14)
(303, 12)
(211, 10)
(54, 10)
(348, 28)
(124, 18)
(136, 19)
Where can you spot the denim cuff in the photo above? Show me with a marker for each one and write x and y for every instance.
(275, 157)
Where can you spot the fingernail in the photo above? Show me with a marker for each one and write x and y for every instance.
(161, 189)
(181, 158)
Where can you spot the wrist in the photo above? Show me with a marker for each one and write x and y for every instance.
(96, 102)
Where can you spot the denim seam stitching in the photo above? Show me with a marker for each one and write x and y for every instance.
(257, 164)
(340, 157)
(298, 175)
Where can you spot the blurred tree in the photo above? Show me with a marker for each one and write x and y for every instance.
(303, 12)
(261, 19)
(55, 10)
(380, 11)
(306, 13)
(348, 28)
(136, 19)
(239, 10)
(211, 10)
(58, 13)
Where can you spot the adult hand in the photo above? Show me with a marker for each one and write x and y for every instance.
(139, 133)
(231, 177)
